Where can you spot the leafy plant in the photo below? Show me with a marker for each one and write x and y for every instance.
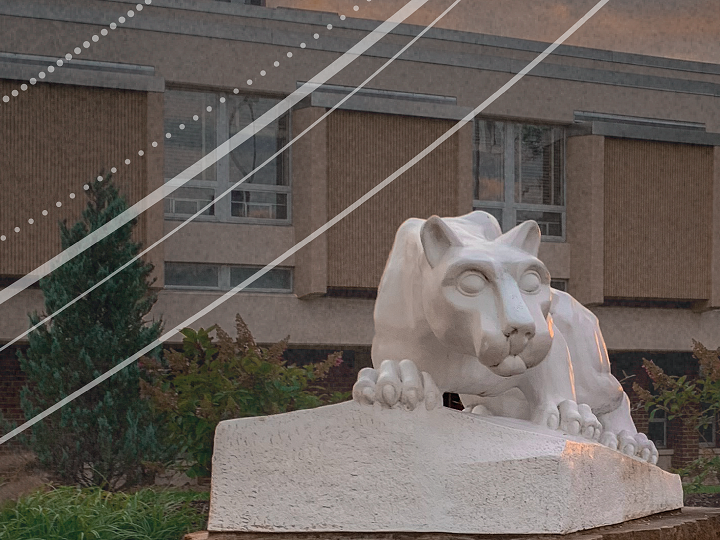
(212, 380)
(697, 472)
(70, 513)
(103, 436)
(694, 401)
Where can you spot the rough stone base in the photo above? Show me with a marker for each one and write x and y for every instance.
(357, 469)
(688, 524)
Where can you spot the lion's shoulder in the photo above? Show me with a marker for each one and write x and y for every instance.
(566, 311)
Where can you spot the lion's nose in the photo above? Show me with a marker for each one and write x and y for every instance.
(525, 330)
(519, 336)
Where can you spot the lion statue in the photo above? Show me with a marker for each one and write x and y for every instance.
(463, 308)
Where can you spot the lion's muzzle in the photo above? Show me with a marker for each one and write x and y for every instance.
(512, 365)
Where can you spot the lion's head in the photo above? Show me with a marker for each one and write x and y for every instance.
(488, 295)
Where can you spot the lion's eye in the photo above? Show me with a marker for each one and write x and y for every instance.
(530, 281)
(471, 283)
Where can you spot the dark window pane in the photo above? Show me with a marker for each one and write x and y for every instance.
(489, 163)
(559, 284)
(275, 279)
(657, 433)
(657, 429)
(550, 222)
(185, 207)
(538, 165)
(259, 204)
(707, 434)
(707, 431)
(198, 137)
(191, 275)
(243, 111)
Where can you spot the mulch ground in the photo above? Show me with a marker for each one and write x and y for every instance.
(706, 500)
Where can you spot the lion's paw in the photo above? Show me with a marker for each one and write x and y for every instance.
(480, 410)
(630, 444)
(394, 383)
(571, 418)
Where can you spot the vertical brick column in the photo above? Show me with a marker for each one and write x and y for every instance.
(12, 379)
(685, 441)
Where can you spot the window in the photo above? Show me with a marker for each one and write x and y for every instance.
(198, 122)
(519, 172)
(657, 428)
(192, 275)
(225, 277)
(559, 284)
(708, 433)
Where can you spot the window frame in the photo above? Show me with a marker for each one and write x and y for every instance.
(659, 418)
(509, 206)
(223, 205)
(224, 279)
(713, 442)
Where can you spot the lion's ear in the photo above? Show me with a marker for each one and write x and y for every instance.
(525, 236)
(437, 238)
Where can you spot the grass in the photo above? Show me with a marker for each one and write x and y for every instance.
(702, 489)
(69, 513)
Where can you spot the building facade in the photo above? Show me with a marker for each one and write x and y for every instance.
(616, 156)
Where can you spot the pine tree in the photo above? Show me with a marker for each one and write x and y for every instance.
(104, 436)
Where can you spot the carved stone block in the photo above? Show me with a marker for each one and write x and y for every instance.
(358, 468)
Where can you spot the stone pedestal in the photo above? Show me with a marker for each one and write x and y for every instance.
(350, 468)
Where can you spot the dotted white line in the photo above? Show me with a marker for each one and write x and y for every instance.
(77, 50)
(303, 45)
(168, 135)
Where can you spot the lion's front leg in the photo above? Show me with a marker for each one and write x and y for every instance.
(549, 388)
(620, 433)
(396, 383)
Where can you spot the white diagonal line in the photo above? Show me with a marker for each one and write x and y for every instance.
(251, 173)
(316, 233)
(221, 151)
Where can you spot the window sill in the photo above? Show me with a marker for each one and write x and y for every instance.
(233, 221)
(206, 219)
(204, 290)
(554, 239)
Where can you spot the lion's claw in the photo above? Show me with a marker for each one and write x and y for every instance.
(637, 445)
(396, 382)
(569, 417)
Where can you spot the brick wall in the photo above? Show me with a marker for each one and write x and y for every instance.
(11, 381)
(685, 441)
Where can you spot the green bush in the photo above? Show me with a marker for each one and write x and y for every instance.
(694, 401)
(102, 437)
(213, 380)
(70, 513)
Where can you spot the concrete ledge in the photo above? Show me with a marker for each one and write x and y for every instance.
(689, 523)
(23, 67)
(358, 469)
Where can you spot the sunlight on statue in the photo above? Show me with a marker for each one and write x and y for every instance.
(463, 308)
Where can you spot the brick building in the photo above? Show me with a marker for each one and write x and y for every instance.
(616, 156)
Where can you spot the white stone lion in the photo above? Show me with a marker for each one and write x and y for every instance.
(463, 308)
